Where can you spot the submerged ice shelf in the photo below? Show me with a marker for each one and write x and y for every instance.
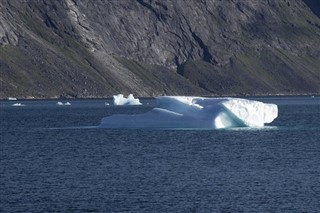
(197, 112)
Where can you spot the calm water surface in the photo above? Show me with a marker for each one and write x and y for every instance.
(48, 167)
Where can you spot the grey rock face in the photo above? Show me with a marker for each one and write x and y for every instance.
(7, 34)
(202, 46)
(171, 32)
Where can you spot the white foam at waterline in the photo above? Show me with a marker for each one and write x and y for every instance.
(197, 112)
(120, 100)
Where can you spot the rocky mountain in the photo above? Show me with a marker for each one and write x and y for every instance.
(84, 48)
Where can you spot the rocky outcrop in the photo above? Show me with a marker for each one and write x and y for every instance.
(149, 47)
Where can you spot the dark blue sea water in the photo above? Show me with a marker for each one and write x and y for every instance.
(48, 167)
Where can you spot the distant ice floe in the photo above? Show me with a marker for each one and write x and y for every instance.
(12, 99)
(121, 100)
(180, 112)
(18, 104)
(59, 103)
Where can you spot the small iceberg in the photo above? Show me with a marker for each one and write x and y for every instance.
(12, 99)
(120, 100)
(180, 112)
(18, 104)
(106, 103)
(59, 103)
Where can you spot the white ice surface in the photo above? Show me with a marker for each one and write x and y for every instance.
(121, 100)
(59, 103)
(18, 104)
(197, 112)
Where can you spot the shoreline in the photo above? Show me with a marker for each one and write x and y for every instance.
(30, 98)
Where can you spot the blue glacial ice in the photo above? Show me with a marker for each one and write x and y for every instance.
(181, 112)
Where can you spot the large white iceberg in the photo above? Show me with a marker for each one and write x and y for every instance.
(121, 100)
(197, 112)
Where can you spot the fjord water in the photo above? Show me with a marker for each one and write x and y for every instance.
(53, 159)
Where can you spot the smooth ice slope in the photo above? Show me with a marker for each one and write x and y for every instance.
(197, 112)
(120, 100)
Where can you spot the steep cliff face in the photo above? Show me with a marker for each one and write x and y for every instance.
(148, 47)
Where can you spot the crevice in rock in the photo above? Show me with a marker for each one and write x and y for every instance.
(49, 23)
(205, 51)
(159, 15)
(180, 68)
(179, 65)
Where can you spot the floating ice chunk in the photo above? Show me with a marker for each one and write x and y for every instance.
(63, 104)
(106, 103)
(12, 99)
(18, 104)
(252, 113)
(121, 100)
(197, 112)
